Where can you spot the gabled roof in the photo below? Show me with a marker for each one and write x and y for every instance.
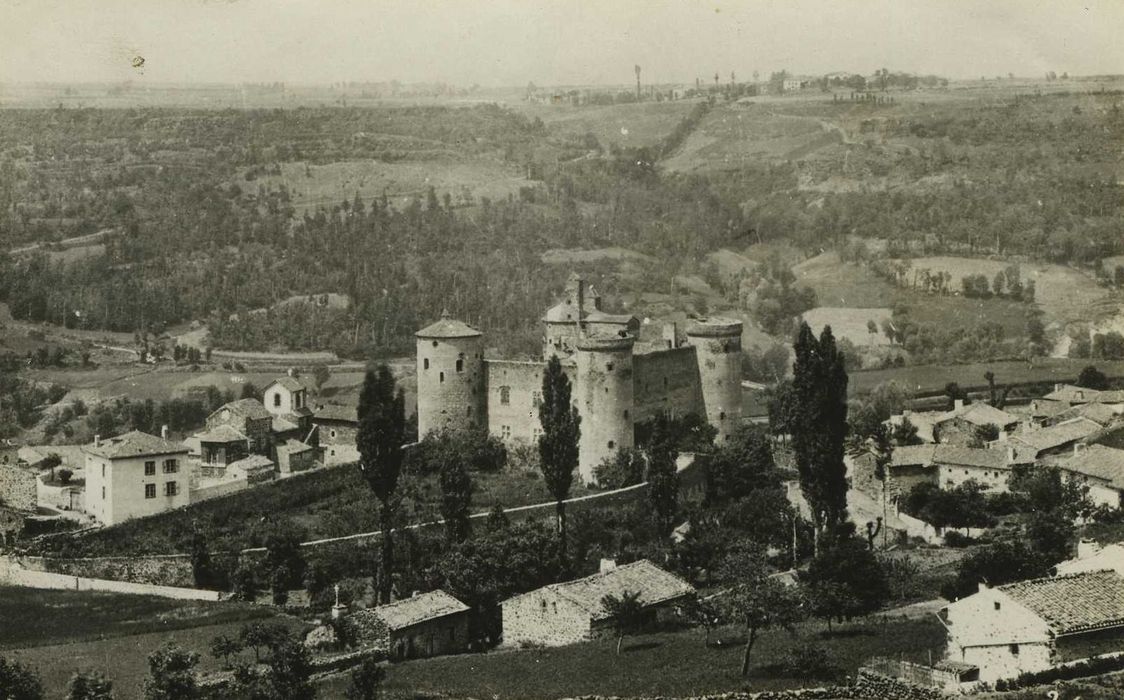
(135, 444)
(910, 455)
(413, 611)
(221, 433)
(448, 328)
(1057, 435)
(1098, 461)
(654, 585)
(286, 382)
(922, 420)
(1046, 408)
(981, 414)
(296, 446)
(1072, 394)
(1094, 411)
(244, 408)
(283, 425)
(253, 463)
(347, 414)
(985, 457)
(1073, 603)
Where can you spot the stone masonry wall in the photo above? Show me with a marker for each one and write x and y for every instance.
(667, 380)
(17, 487)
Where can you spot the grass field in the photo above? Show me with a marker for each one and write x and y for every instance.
(732, 136)
(850, 286)
(329, 184)
(124, 658)
(33, 618)
(850, 323)
(626, 125)
(666, 664)
(932, 378)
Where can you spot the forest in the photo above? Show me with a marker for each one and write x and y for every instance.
(193, 232)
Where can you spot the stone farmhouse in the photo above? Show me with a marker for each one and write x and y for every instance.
(617, 381)
(336, 429)
(1058, 438)
(1033, 625)
(134, 475)
(428, 624)
(1100, 468)
(1093, 557)
(570, 612)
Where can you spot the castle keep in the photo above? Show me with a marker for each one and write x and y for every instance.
(617, 380)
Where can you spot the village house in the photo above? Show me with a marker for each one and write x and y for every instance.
(285, 397)
(1093, 557)
(964, 425)
(294, 456)
(134, 475)
(1100, 468)
(1033, 625)
(218, 447)
(248, 417)
(1071, 395)
(336, 429)
(1055, 439)
(1101, 413)
(427, 624)
(949, 466)
(570, 612)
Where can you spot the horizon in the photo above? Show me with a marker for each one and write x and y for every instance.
(510, 43)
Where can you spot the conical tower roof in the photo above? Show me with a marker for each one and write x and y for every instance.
(448, 328)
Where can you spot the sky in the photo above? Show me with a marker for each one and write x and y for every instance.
(496, 43)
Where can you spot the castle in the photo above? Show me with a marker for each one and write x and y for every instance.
(617, 381)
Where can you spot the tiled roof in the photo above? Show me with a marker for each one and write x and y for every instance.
(1073, 603)
(909, 455)
(135, 444)
(296, 446)
(1098, 461)
(652, 583)
(245, 408)
(1072, 394)
(287, 382)
(448, 328)
(922, 420)
(1111, 396)
(1058, 435)
(253, 463)
(1095, 411)
(412, 611)
(283, 425)
(349, 414)
(982, 414)
(1045, 408)
(221, 433)
(989, 458)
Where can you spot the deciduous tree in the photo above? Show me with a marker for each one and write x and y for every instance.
(626, 612)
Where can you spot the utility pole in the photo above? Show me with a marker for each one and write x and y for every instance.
(637, 68)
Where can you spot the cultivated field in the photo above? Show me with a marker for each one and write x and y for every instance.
(931, 379)
(311, 186)
(850, 323)
(626, 125)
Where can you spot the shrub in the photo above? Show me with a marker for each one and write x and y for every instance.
(810, 660)
(952, 538)
(64, 476)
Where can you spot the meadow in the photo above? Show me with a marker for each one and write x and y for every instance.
(665, 664)
(627, 125)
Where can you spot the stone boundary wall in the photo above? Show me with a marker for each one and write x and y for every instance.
(15, 575)
(224, 488)
(18, 487)
(157, 570)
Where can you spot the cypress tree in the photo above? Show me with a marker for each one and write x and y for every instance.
(382, 427)
(819, 427)
(558, 444)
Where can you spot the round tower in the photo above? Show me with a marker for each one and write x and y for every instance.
(450, 376)
(603, 393)
(718, 351)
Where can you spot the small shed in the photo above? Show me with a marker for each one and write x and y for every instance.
(427, 624)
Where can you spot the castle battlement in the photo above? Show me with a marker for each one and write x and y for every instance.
(616, 381)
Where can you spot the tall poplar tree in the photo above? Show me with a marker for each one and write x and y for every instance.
(818, 423)
(558, 444)
(382, 428)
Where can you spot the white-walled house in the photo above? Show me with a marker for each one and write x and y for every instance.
(1033, 625)
(1100, 468)
(134, 475)
(1092, 557)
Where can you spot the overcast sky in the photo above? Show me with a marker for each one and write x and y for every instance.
(550, 42)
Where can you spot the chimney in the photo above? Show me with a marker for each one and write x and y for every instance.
(607, 565)
(291, 372)
(958, 404)
(97, 440)
(164, 431)
(1087, 548)
(670, 337)
(1057, 387)
(1078, 448)
(1002, 436)
(1010, 454)
(983, 587)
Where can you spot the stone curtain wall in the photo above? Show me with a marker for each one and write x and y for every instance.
(667, 380)
(521, 383)
(17, 487)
